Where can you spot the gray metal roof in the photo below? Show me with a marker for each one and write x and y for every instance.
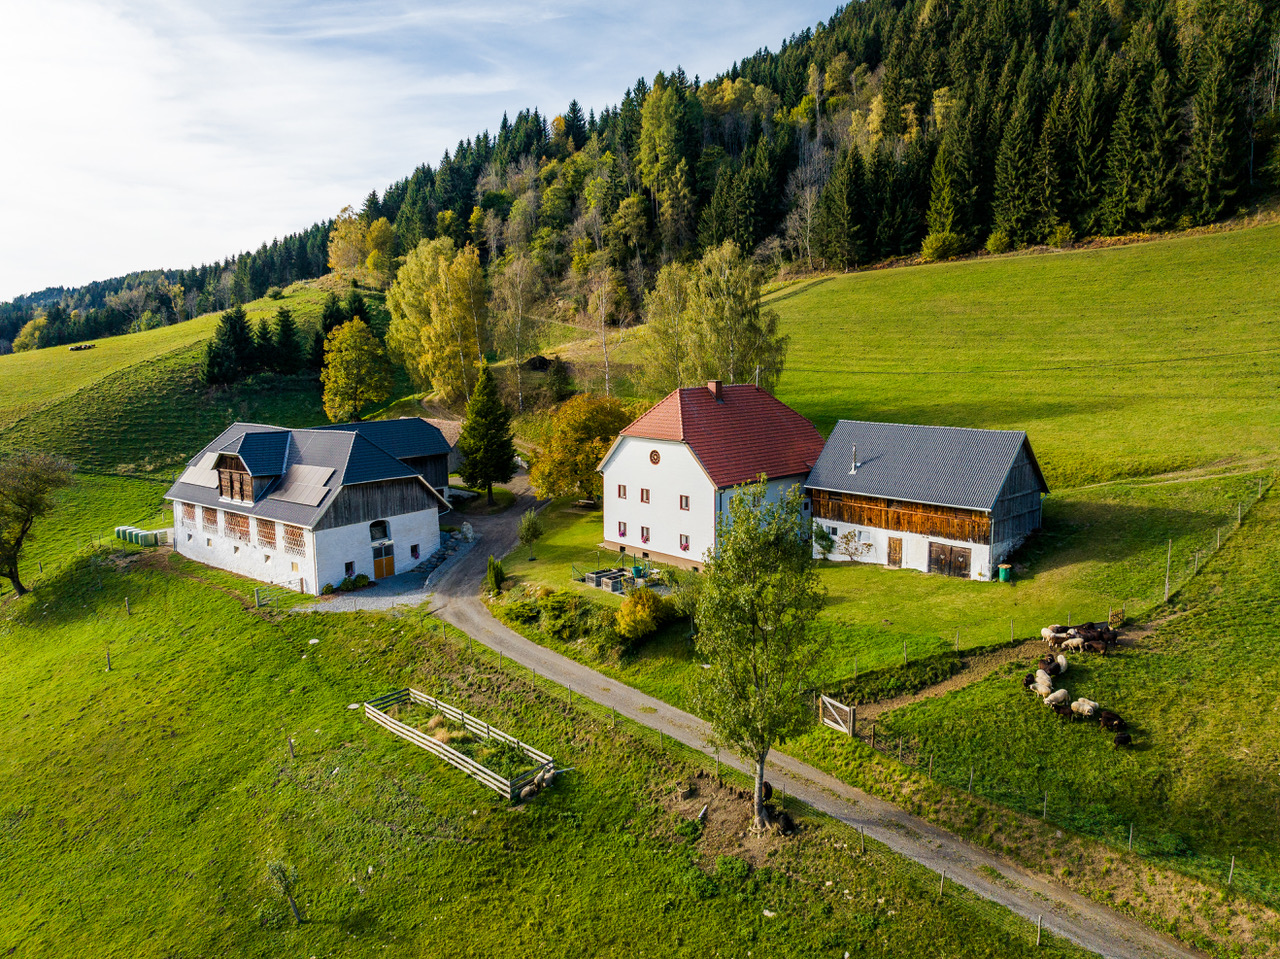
(346, 456)
(405, 438)
(940, 465)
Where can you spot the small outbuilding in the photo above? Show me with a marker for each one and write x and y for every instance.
(938, 499)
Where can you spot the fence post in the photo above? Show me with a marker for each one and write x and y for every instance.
(942, 882)
(126, 607)
(1167, 562)
(930, 765)
(1039, 920)
(971, 780)
(291, 756)
(873, 735)
(257, 602)
(1232, 873)
(1044, 812)
(108, 659)
(1011, 630)
(862, 831)
(1131, 837)
(904, 652)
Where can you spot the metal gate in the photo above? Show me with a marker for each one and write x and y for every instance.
(837, 715)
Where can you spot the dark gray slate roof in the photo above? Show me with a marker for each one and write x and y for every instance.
(940, 465)
(405, 438)
(313, 467)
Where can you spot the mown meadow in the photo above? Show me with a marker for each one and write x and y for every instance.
(141, 806)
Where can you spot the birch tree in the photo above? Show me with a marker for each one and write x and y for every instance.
(516, 288)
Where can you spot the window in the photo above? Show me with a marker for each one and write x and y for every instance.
(188, 537)
(209, 519)
(622, 491)
(379, 530)
(833, 531)
(266, 533)
(684, 502)
(644, 534)
(413, 550)
(189, 515)
(294, 567)
(208, 542)
(644, 495)
(349, 570)
(684, 542)
(622, 529)
(237, 526)
(294, 544)
(266, 557)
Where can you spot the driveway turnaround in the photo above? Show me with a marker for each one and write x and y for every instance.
(1063, 912)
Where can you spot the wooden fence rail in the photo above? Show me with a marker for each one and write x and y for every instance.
(510, 788)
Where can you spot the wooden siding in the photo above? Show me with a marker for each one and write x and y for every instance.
(433, 469)
(1017, 509)
(944, 522)
(366, 502)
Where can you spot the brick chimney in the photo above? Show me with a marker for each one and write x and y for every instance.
(716, 390)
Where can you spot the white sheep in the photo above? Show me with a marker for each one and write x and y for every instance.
(1047, 634)
(1083, 707)
(1062, 664)
(1058, 698)
(1042, 690)
(1043, 678)
(1088, 702)
(1076, 643)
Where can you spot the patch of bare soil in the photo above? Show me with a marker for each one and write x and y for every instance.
(727, 828)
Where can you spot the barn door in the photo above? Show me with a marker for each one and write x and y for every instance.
(950, 560)
(895, 552)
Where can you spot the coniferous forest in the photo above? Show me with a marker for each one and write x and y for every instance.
(899, 127)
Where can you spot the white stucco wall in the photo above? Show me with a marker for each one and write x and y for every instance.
(915, 549)
(336, 547)
(677, 474)
(273, 566)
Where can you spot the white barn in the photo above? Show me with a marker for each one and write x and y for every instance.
(938, 499)
(669, 476)
(306, 508)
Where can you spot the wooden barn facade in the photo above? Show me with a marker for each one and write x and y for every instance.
(937, 499)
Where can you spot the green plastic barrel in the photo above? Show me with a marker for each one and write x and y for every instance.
(1005, 572)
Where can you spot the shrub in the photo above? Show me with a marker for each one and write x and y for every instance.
(328, 590)
(560, 615)
(642, 612)
(347, 585)
(940, 246)
(494, 576)
(999, 242)
(521, 611)
(732, 871)
(1061, 237)
(275, 293)
(361, 581)
(598, 632)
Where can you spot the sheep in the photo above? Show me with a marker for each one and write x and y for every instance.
(1060, 698)
(1063, 710)
(1075, 643)
(1062, 664)
(1028, 680)
(1049, 665)
(1082, 707)
(1041, 690)
(1047, 634)
(1044, 679)
(1057, 640)
(1096, 646)
(1111, 721)
(1123, 739)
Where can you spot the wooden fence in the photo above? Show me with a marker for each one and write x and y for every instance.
(510, 788)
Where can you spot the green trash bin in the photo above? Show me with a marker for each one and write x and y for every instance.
(1005, 572)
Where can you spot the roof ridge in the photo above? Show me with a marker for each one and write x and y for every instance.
(932, 426)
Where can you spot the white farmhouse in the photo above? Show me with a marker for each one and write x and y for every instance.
(669, 476)
(939, 499)
(305, 508)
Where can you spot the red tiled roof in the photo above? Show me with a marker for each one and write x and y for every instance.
(737, 438)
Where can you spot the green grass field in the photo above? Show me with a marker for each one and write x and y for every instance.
(139, 807)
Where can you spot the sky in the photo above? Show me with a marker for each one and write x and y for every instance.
(144, 134)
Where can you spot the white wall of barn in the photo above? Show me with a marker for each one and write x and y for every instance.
(915, 548)
(247, 558)
(353, 544)
(677, 474)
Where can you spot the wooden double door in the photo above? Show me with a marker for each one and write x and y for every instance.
(950, 560)
(384, 561)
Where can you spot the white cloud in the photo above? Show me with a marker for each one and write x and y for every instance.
(170, 132)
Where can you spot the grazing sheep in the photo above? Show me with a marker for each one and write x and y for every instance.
(1049, 665)
(1057, 628)
(1096, 646)
(1048, 633)
(1083, 707)
(1075, 643)
(1060, 698)
(1123, 739)
(1044, 679)
(1041, 690)
(1063, 710)
(1028, 680)
(1111, 721)
(1062, 664)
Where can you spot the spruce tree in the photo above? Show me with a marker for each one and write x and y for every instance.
(286, 350)
(355, 307)
(1014, 201)
(1124, 165)
(1088, 167)
(1208, 170)
(229, 354)
(1159, 193)
(1050, 160)
(486, 444)
(839, 224)
(332, 315)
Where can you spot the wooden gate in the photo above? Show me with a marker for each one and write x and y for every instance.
(837, 715)
(895, 552)
(950, 560)
(384, 561)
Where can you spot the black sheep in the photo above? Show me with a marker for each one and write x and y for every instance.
(1111, 721)
(1028, 680)
(1123, 739)
(1063, 710)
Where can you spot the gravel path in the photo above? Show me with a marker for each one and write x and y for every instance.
(1065, 913)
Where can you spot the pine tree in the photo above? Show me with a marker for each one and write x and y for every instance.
(229, 353)
(1124, 165)
(487, 444)
(332, 315)
(1014, 201)
(1159, 193)
(286, 348)
(1049, 164)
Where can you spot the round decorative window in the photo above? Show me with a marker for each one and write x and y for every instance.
(655, 457)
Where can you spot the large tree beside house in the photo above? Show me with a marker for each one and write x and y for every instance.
(760, 596)
(356, 372)
(582, 429)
